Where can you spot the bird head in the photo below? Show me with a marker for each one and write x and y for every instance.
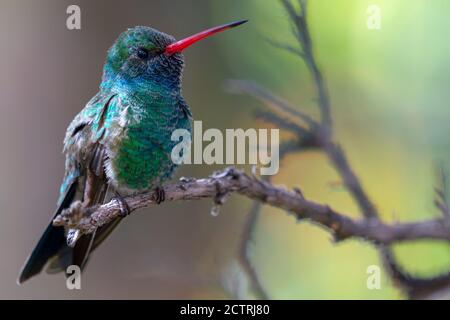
(143, 54)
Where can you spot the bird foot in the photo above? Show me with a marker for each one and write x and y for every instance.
(71, 217)
(124, 208)
(72, 237)
(73, 214)
(159, 195)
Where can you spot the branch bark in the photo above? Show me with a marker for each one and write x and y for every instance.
(232, 180)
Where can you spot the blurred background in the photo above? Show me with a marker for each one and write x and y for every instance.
(389, 91)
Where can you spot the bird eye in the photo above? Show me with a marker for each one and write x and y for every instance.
(142, 53)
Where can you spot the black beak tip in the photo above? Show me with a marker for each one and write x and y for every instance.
(237, 23)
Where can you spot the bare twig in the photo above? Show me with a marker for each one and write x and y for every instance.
(304, 38)
(282, 123)
(407, 282)
(244, 246)
(269, 99)
(414, 287)
(351, 181)
(286, 47)
(441, 201)
(334, 151)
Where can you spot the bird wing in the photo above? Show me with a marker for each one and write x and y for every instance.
(96, 187)
(50, 242)
(84, 180)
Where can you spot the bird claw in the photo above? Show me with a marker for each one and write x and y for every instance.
(71, 215)
(159, 195)
(124, 208)
(72, 237)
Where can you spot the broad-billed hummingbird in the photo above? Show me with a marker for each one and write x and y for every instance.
(120, 143)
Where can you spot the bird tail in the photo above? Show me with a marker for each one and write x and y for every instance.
(51, 242)
(52, 249)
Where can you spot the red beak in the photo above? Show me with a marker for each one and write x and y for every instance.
(186, 42)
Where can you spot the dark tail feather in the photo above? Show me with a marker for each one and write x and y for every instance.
(82, 249)
(89, 242)
(66, 256)
(51, 242)
(52, 248)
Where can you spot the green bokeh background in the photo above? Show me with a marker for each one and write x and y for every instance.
(389, 92)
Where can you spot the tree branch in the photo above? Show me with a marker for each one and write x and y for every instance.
(244, 247)
(235, 181)
(304, 38)
(268, 98)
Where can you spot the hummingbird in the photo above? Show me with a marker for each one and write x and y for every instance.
(120, 142)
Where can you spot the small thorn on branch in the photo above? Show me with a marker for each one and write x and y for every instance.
(298, 191)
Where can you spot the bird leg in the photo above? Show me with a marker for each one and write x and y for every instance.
(74, 213)
(159, 195)
(123, 205)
